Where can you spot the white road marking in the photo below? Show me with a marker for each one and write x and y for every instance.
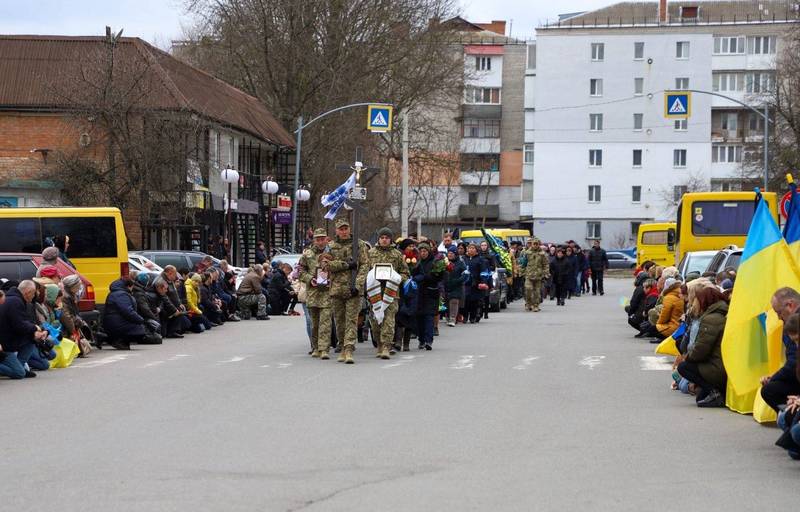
(655, 363)
(466, 362)
(402, 361)
(526, 363)
(234, 359)
(592, 361)
(264, 366)
(178, 356)
(154, 363)
(281, 366)
(102, 362)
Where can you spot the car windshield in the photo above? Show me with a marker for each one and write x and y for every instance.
(698, 263)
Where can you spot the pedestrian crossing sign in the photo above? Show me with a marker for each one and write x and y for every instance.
(379, 118)
(677, 104)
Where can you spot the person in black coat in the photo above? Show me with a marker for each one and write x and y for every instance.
(563, 274)
(152, 323)
(261, 253)
(121, 322)
(598, 263)
(211, 306)
(20, 332)
(168, 315)
(473, 294)
(280, 290)
(427, 278)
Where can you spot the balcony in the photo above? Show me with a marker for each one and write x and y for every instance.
(479, 211)
(526, 209)
(480, 178)
(480, 145)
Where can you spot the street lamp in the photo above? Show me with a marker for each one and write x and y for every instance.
(269, 187)
(301, 194)
(229, 176)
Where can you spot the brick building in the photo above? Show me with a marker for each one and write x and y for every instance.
(39, 126)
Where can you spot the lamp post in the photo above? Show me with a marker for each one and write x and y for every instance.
(301, 194)
(269, 187)
(229, 176)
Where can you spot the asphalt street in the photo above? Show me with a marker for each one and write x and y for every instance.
(558, 410)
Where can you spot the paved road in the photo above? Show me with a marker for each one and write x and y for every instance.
(560, 410)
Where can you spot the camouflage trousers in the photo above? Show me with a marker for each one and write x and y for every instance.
(383, 333)
(533, 293)
(246, 303)
(320, 328)
(345, 314)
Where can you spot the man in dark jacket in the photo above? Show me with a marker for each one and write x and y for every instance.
(261, 253)
(168, 315)
(427, 277)
(562, 271)
(776, 388)
(121, 322)
(598, 263)
(20, 332)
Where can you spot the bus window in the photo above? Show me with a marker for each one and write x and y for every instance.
(20, 235)
(654, 238)
(89, 237)
(710, 218)
(671, 239)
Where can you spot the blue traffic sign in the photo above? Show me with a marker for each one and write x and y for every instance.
(379, 118)
(677, 104)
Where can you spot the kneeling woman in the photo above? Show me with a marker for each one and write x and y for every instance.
(702, 364)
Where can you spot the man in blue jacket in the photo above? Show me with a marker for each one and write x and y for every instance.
(19, 330)
(776, 388)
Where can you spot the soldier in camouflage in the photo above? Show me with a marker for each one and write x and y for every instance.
(318, 299)
(536, 268)
(385, 253)
(346, 295)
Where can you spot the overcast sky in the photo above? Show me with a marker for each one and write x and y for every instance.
(159, 21)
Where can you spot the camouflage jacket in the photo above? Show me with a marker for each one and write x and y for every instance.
(317, 297)
(342, 252)
(537, 266)
(389, 255)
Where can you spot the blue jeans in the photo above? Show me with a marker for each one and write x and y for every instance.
(578, 284)
(38, 362)
(11, 366)
(308, 320)
(425, 329)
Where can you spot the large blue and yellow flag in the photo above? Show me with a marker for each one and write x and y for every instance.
(497, 247)
(791, 230)
(751, 345)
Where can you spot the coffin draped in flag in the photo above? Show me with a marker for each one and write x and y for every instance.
(751, 345)
(337, 198)
(497, 247)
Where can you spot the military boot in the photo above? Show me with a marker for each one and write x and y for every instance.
(348, 355)
(315, 353)
(323, 354)
(536, 309)
(384, 354)
(341, 357)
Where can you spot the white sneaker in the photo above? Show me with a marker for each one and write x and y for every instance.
(451, 324)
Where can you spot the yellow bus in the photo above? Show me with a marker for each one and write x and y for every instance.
(98, 246)
(474, 236)
(710, 221)
(656, 242)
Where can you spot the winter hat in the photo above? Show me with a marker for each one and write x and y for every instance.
(424, 245)
(385, 232)
(670, 283)
(726, 285)
(71, 281)
(51, 293)
(452, 249)
(48, 271)
(50, 254)
(142, 278)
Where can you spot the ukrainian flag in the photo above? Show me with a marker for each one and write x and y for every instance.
(751, 345)
(791, 230)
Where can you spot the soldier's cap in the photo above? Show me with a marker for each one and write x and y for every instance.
(342, 222)
(320, 232)
(385, 232)
(424, 245)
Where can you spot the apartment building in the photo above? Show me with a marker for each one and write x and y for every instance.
(606, 159)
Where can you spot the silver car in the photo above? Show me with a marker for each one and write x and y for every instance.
(617, 260)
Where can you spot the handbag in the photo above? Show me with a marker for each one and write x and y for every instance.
(301, 290)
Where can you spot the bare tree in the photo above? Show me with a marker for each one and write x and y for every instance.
(619, 239)
(694, 182)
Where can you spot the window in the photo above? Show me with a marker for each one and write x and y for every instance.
(472, 198)
(638, 120)
(655, 238)
(638, 51)
(730, 121)
(531, 56)
(594, 193)
(681, 125)
(722, 217)
(593, 230)
(598, 51)
(596, 87)
(679, 158)
(678, 191)
(17, 270)
(681, 84)
(726, 154)
(761, 45)
(636, 194)
(480, 163)
(728, 45)
(528, 153)
(682, 50)
(638, 86)
(89, 237)
(482, 95)
(728, 82)
(637, 157)
(635, 230)
(483, 63)
(760, 81)
(596, 122)
(595, 157)
(20, 235)
(481, 128)
(756, 124)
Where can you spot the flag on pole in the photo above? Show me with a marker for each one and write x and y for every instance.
(337, 198)
(497, 246)
(791, 230)
(751, 345)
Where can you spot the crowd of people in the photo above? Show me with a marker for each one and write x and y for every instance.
(692, 311)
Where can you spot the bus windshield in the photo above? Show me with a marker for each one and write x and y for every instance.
(720, 218)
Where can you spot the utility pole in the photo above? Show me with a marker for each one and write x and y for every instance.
(404, 199)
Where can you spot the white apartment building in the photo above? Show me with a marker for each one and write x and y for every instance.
(606, 159)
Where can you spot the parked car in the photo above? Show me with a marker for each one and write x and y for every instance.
(498, 297)
(291, 259)
(617, 260)
(182, 259)
(695, 261)
(729, 257)
(143, 264)
(21, 266)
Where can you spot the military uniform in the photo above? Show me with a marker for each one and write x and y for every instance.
(317, 299)
(537, 268)
(383, 333)
(346, 303)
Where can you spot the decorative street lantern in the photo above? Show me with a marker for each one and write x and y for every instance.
(229, 176)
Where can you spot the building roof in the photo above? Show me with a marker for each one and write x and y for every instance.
(710, 12)
(36, 71)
